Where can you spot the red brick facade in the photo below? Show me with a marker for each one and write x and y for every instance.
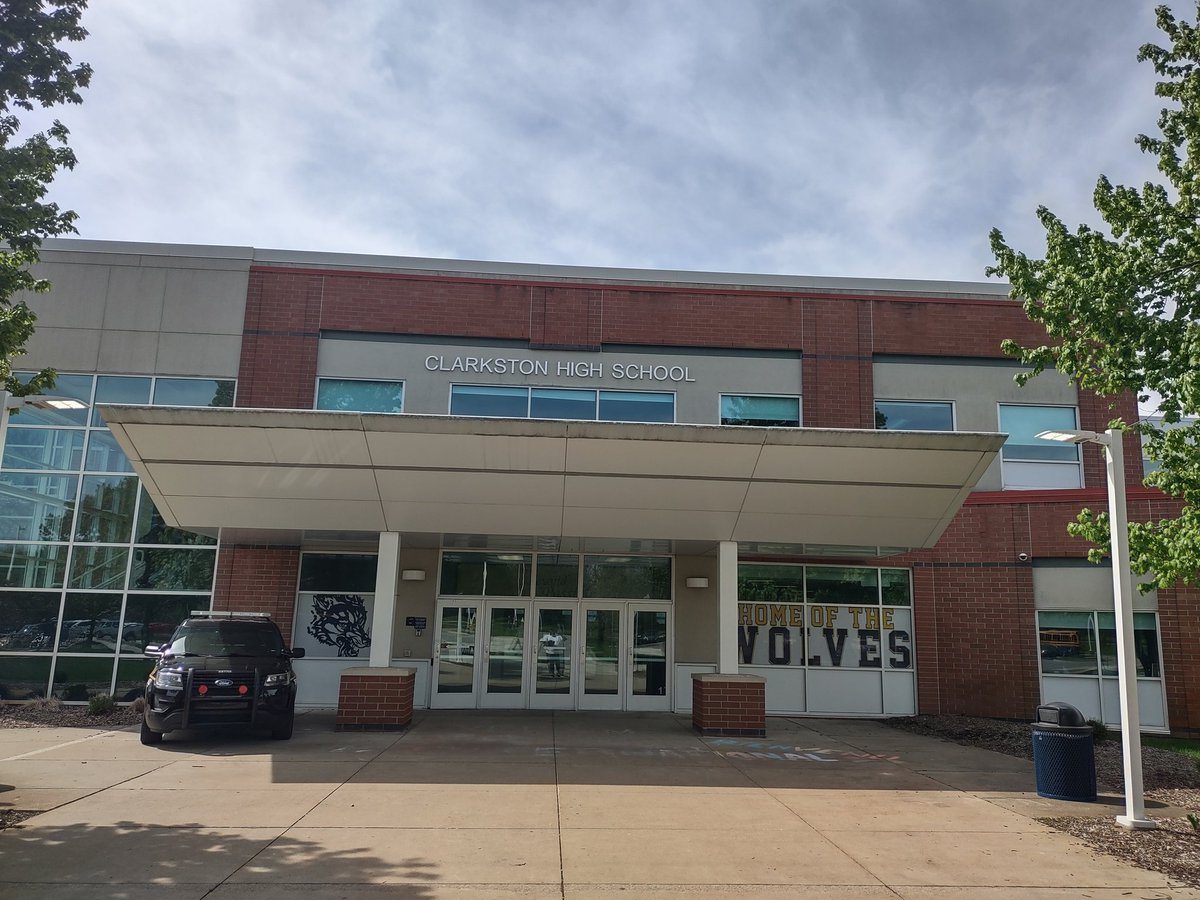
(258, 579)
(975, 621)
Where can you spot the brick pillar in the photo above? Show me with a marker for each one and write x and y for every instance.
(256, 578)
(375, 699)
(729, 705)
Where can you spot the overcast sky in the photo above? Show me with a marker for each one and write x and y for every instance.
(867, 138)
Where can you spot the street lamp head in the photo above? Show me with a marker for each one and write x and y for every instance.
(1073, 437)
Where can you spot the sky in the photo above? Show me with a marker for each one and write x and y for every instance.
(874, 138)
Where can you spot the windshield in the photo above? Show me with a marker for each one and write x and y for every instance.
(225, 639)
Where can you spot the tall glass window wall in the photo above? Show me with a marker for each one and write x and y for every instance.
(89, 572)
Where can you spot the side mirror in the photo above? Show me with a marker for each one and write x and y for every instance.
(154, 651)
(298, 653)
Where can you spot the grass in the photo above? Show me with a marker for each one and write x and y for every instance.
(1179, 745)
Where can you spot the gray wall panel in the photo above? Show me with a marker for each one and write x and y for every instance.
(696, 400)
(975, 389)
(113, 312)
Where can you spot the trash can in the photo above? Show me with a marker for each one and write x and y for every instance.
(1064, 753)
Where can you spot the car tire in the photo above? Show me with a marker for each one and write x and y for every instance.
(149, 736)
(283, 731)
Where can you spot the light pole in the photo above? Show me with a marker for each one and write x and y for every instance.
(10, 404)
(1118, 526)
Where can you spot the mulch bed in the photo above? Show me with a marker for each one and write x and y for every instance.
(1171, 778)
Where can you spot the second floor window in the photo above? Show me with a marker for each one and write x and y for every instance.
(1031, 463)
(359, 395)
(561, 403)
(914, 415)
(761, 410)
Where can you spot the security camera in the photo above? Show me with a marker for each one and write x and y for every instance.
(1023, 557)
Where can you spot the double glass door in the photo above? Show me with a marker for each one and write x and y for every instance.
(552, 655)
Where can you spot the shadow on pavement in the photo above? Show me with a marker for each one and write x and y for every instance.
(37, 861)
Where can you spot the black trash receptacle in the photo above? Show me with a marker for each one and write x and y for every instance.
(1064, 753)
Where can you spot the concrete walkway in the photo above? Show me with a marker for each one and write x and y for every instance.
(536, 804)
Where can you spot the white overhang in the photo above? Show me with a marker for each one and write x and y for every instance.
(297, 470)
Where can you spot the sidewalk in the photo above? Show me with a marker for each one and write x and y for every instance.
(539, 805)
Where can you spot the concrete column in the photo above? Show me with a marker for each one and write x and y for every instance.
(727, 563)
(387, 581)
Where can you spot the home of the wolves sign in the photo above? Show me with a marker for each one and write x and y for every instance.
(799, 634)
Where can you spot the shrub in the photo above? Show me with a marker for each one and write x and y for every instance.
(1099, 730)
(48, 704)
(100, 704)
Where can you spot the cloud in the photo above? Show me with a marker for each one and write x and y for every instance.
(871, 139)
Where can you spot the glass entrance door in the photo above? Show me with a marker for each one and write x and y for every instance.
(649, 654)
(454, 658)
(552, 654)
(625, 657)
(554, 662)
(600, 662)
(505, 651)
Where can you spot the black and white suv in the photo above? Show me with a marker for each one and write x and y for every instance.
(221, 668)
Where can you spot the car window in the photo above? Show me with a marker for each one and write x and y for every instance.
(226, 639)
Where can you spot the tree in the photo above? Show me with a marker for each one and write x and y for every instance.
(34, 73)
(1122, 309)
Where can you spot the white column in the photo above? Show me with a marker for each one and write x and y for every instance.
(387, 581)
(727, 563)
(1131, 723)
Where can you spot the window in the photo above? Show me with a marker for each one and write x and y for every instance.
(355, 395)
(561, 403)
(1085, 643)
(192, 392)
(744, 409)
(636, 406)
(914, 415)
(828, 618)
(497, 402)
(1031, 463)
(627, 577)
(469, 574)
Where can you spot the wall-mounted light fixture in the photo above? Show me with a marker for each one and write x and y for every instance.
(698, 581)
(412, 574)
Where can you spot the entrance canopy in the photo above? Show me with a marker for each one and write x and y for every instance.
(289, 471)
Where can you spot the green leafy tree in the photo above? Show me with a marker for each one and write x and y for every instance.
(1122, 307)
(35, 73)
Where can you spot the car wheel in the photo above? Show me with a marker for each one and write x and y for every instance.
(149, 736)
(283, 731)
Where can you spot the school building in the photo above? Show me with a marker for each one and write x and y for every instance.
(525, 486)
